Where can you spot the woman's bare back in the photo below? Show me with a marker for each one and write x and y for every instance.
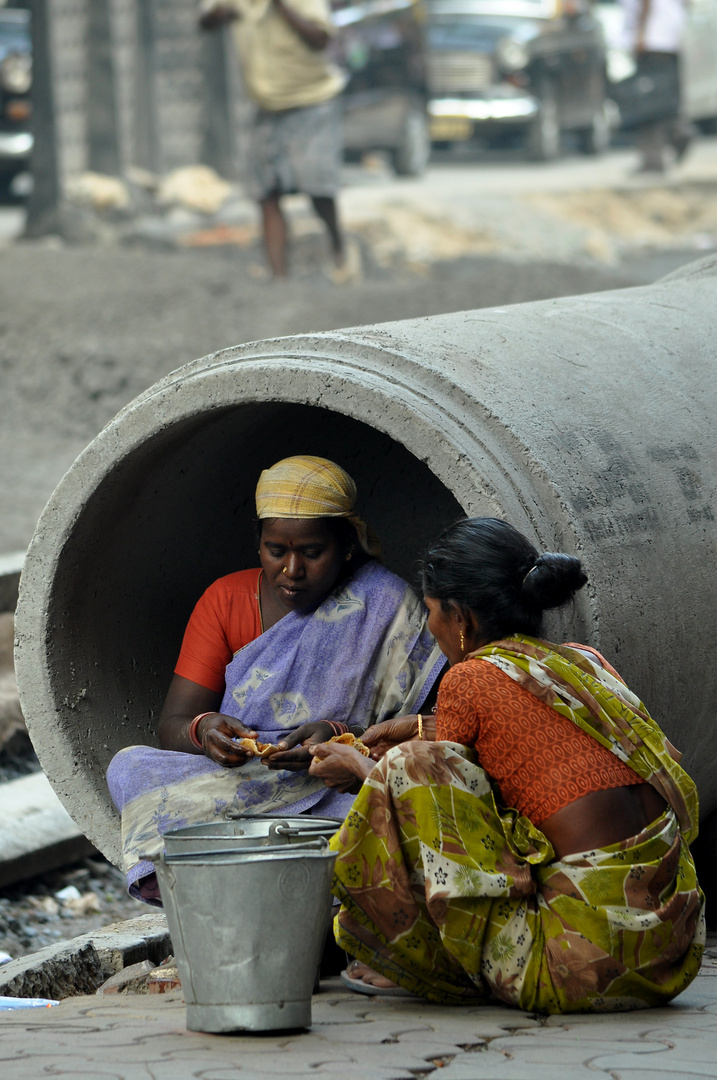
(602, 818)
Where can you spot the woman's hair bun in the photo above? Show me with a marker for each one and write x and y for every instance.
(486, 565)
(552, 580)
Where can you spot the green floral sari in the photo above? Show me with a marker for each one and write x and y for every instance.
(459, 899)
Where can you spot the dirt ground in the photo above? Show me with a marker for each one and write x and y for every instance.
(85, 328)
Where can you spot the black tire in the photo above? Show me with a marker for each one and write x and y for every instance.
(707, 125)
(411, 155)
(543, 139)
(595, 140)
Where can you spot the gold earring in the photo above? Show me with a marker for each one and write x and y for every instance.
(463, 641)
(284, 571)
(348, 557)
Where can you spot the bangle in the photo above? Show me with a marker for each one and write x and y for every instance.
(192, 731)
(337, 728)
(420, 727)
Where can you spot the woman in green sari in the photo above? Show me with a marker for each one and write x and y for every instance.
(529, 842)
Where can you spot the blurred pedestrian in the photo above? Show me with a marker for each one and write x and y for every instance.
(653, 32)
(296, 133)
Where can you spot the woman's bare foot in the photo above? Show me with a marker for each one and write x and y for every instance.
(359, 972)
(149, 889)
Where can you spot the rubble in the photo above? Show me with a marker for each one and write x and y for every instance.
(98, 191)
(196, 187)
(12, 723)
(32, 918)
(82, 965)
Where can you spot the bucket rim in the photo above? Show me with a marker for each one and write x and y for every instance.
(313, 849)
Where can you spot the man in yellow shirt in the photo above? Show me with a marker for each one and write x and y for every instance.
(296, 136)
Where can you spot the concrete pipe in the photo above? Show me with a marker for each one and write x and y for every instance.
(588, 422)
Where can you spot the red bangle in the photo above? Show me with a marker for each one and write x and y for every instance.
(338, 728)
(192, 732)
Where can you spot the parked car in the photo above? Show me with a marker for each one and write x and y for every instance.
(530, 67)
(698, 69)
(15, 82)
(381, 46)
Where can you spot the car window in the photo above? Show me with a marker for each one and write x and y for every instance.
(542, 9)
(347, 12)
(456, 34)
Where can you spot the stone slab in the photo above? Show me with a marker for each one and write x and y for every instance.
(36, 832)
(80, 966)
(58, 971)
(10, 569)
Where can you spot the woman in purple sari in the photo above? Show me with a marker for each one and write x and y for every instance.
(319, 640)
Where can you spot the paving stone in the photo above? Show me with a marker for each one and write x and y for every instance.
(698, 993)
(18, 1072)
(371, 1032)
(547, 1050)
(475, 1029)
(489, 1066)
(503, 1017)
(427, 1050)
(638, 1019)
(691, 1047)
(361, 1071)
(704, 1023)
(619, 1067)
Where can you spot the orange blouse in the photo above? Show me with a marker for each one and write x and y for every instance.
(539, 759)
(225, 619)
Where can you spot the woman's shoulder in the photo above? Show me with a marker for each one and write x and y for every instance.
(375, 576)
(473, 672)
(594, 655)
(234, 586)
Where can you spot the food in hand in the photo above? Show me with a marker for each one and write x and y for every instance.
(350, 740)
(259, 749)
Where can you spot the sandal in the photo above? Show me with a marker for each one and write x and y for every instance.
(360, 987)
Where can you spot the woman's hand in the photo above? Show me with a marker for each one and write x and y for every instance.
(219, 735)
(339, 766)
(294, 748)
(381, 737)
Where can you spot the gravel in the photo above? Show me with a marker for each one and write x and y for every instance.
(32, 916)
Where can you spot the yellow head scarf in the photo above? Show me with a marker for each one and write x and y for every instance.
(312, 487)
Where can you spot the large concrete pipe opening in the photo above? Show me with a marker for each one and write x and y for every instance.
(584, 421)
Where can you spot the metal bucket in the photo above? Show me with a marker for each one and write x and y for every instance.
(245, 830)
(233, 915)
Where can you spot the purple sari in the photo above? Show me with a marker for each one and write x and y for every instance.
(362, 656)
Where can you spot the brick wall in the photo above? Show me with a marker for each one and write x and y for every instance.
(167, 112)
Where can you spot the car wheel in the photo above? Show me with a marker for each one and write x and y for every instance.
(596, 138)
(707, 125)
(410, 156)
(543, 142)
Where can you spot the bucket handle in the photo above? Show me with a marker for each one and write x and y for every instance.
(283, 828)
(320, 844)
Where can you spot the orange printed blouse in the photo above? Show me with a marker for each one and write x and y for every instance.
(539, 759)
